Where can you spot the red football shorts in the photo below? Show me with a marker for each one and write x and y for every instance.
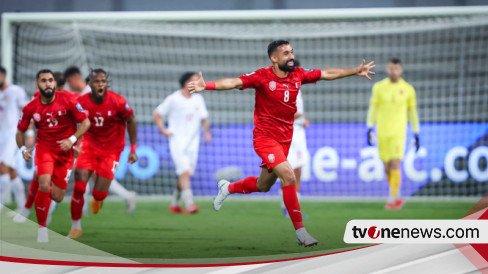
(103, 163)
(57, 164)
(271, 152)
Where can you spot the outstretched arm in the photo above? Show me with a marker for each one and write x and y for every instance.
(363, 70)
(222, 84)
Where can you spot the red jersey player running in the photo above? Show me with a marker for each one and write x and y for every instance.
(276, 88)
(109, 113)
(55, 116)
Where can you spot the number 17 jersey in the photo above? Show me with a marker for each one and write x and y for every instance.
(108, 122)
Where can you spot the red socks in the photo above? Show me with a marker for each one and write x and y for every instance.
(245, 186)
(42, 203)
(77, 200)
(31, 194)
(99, 195)
(292, 205)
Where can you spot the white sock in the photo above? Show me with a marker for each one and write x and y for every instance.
(86, 196)
(282, 202)
(187, 197)
(118, 189)
(25, 212)
(18, 189)
(175, 197)
(52, 207)
(76, 224)
(5, 189)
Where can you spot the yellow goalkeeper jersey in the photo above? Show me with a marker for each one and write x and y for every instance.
(390, 107)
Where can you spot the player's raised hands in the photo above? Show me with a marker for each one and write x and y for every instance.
(198, 85)
(366, 70)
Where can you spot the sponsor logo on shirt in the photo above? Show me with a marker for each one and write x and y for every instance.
(79, 107)
(272, 85)
(61, 112)
(271, 158)
(37, 117)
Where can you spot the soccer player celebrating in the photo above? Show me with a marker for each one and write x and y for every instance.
(55, 116)
(392, 100)
(187, 114)
(276, 88)
(12, 99)
(109, 114)
(80, 86)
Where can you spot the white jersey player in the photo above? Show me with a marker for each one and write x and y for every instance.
(298, 156)
(186, 114)
(12, 100)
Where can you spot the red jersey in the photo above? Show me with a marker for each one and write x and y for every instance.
(54, 121)
(108, 122)
(275, 104)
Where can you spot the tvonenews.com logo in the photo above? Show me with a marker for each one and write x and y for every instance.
(416, 231)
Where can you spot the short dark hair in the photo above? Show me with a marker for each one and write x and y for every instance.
(3, 70)
(96, 71)
(70, 71)
(275, 44)
(395, 61)
(185, 77)
(59, 77)
(44, 71)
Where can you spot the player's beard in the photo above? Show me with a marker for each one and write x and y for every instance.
(46, 94)
(99, 94)
(285, 67)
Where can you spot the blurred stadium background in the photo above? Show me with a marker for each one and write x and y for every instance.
(443, 50)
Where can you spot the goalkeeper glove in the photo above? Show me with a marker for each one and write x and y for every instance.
(417, 142)
(370, 136)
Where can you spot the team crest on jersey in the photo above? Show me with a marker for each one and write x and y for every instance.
(271, 158)
(127, 106)
(109, 113)
(401, 92)
(37, 117)
(79, 107)
(272, 85)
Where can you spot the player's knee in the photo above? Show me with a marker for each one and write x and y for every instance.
(81, 175)
(57, 197)
(289, 179)
(44, 187)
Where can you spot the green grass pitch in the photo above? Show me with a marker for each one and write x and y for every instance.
(242, 228)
